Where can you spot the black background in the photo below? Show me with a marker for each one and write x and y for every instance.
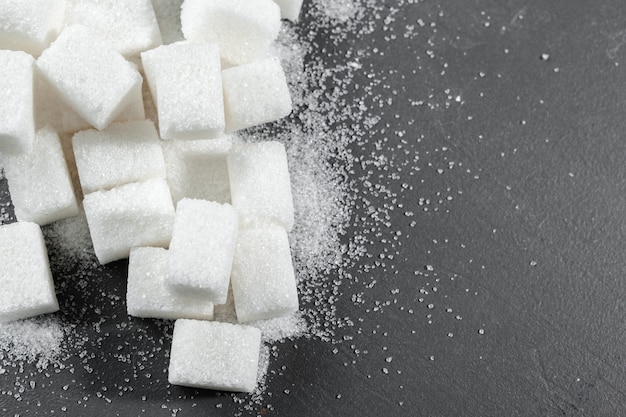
(528, 252)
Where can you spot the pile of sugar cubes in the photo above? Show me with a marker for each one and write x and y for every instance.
(197, 211)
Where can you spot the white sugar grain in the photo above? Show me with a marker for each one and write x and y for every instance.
(38, 341)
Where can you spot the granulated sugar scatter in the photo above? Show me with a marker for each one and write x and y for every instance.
(33, 341)
(69, 243)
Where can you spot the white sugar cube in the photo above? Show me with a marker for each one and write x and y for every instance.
(148, 296)
(120, 154)
(130, 26)
(197, 169)
(137, 214)
(186, 84)
(243, 29)
(255, 93)
(26, 286)
(52, 111)
(260, 186)
(17, 123)
(289, 9)
(89, 75)
(202, 246)
(39, 181)
(212, 355)
(263, 279)
(30, 25)
(168, 15)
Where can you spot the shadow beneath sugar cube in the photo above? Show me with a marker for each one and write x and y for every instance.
(7, 213)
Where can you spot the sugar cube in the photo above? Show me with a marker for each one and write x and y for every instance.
(30, 25)
(26, 285)
(186, 84)
(255, 93)
(120, 154)
(213, 355)
(17, 123)
(136, 214)
(52, 111)
(263, 279)
(202, 246)
(260, 187)
(197, 169)
(39, 181)
(148, 295)
(130, 26)
(89, 75)
(243, 29)
(289, 9)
